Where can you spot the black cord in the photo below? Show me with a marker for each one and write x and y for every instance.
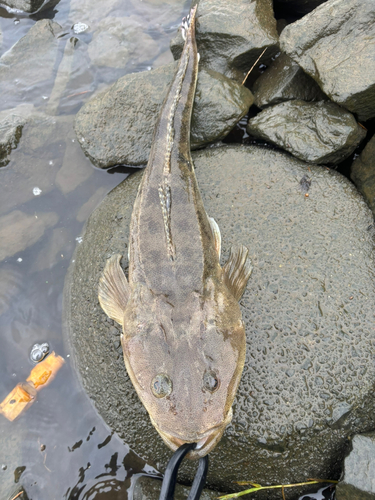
(170, 476)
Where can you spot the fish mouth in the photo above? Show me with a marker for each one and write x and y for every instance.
(206, 441)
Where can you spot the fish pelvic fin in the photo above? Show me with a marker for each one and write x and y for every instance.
(237, 270)
(114, 289)
(216, 234)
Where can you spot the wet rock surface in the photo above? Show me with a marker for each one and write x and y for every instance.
(308, 309)
(29, 63)
(25, 5)
(116, 127)
(11, 125)
(363, 173)
(231, 35)
(358, 481)
(285, 80)
(335, 45)
(321, 132)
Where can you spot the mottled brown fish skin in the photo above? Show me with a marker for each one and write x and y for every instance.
(183, 337)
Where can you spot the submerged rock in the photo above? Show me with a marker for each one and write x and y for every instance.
(308, 310)
(29, 63)
(363, 173)
(116, 127)
(321, 132)
(232, 35)
(25, 5)
(285, 80)
(11, 125)
(335, 45)
(119, 41)
(19, 230)
(358, 481)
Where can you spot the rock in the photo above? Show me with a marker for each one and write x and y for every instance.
(285, 80)
(337, 51)
(232, 35)
(37, 159)
(25, 5)
(148, 488)
(308, 309)
(10, 133)
(120, 41)
(93, 12)
(117, 126)
(363, 173)
(11, 283)
(19, 231)
(57, 249)
(29, 63)
(358, 481)
(321, 132)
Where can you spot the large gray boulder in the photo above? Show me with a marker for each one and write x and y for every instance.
(358, 481)
(321, 132)
(308, 308)
(29, 63)
(11, 125)
(362, 173)
(116, 127)
(335, 45)
(231, 35)
(282, 81)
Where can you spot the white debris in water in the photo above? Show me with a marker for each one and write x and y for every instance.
(80, 28)
(44, 97)
(19, 259)
(37, 191)
(16, 21)
(79, 239)
(50, 163)
(83, 139)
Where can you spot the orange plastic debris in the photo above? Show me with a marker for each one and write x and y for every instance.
(24, 394)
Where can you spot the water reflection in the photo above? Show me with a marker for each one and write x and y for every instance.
(60, 447)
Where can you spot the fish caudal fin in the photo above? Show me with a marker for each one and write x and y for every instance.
(114, 289)
(237, 270)
(216, 234)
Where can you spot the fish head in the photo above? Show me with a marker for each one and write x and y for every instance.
(186, 366)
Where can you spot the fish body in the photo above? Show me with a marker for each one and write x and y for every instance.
(183, 338)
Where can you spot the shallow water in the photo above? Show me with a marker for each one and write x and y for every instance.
(59, 448)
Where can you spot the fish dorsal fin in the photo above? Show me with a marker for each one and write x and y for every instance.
(114, 289)
(216, 234)
(237, 270)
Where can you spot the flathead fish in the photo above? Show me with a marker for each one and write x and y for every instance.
(183, 337)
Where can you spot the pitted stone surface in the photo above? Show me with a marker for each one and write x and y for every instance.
(308, 308)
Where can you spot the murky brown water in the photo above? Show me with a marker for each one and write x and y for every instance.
(49, 179)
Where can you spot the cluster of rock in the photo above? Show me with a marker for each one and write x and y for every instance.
(309, 305)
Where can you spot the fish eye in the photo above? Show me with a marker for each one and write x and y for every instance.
(161, 385)
(210, 381)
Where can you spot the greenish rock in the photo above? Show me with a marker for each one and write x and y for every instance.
(309, 306)
(321, 132)
(335, 45)
(232, 35)
(148, 488)
(29, 63)
(116, 127)
(362, 173)
(120, 41)
(358, 481)
(283, 81)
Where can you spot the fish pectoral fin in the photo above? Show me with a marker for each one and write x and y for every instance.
(216, 234)
(237, 270)
(114, 289)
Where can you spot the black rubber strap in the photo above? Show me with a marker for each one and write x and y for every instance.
(170, 475)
